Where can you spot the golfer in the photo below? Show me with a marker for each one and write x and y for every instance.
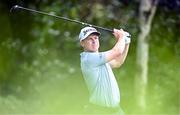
(97, 69)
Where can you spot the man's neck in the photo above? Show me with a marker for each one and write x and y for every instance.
(91, 51)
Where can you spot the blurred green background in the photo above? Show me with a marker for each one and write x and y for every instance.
(39, 56)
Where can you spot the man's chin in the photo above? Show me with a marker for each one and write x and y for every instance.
(96, 50)
(93, 50)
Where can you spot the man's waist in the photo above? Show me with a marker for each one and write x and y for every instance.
(104, 108)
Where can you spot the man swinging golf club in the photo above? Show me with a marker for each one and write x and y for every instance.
(97, 66)
(97, 69)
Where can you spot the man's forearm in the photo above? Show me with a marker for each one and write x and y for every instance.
(119, 60)
(119, 46)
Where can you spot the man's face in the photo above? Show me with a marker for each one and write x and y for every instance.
(91, 43)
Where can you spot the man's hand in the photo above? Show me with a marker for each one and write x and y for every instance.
(118, 34)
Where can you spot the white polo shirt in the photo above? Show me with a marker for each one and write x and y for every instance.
(100, 79)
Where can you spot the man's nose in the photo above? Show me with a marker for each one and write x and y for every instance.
(94, 39)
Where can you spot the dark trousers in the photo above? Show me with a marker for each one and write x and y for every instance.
(100, 110)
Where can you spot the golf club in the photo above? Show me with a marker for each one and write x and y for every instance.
(59, 17)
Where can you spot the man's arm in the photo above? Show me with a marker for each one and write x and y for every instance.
(117, 57)
(119, 60)
(118, 48)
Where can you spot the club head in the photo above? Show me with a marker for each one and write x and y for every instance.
(14, 8)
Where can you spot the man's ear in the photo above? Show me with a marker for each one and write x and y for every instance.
(82, 43)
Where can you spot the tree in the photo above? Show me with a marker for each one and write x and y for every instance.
(147, 11)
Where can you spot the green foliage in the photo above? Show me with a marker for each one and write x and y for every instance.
(39, 58)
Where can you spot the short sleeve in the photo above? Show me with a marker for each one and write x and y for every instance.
(96, 59)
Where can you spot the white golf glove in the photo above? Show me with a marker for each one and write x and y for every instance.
(127, 37)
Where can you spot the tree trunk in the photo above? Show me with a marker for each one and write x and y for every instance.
(146, 13)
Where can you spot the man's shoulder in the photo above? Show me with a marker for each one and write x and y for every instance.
(93, 56)
(86, 53)
(83, 54)
(90, 54)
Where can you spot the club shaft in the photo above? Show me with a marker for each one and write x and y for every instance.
(60, 17)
